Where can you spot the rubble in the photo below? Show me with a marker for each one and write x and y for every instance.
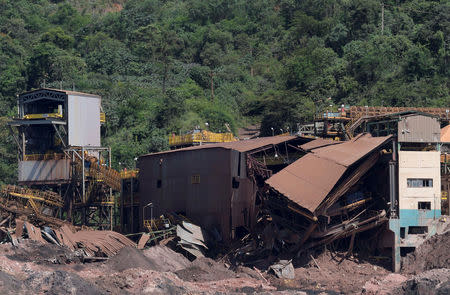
(433, 253)
(283, 269)
(435, 281)
(91, 243)
(191, 239)
(324, 253)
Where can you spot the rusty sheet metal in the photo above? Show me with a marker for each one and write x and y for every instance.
(34, 233)
(351, 151)
(318, 143)
(311, 178)
(19, 227)
(307, 181)
(143, 240)
(93, 242)
(64, 235)
(445, 134)
(45, 170)
(241, 146)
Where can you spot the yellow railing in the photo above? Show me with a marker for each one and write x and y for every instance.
(200, 137)
(42, 157)
(42, 116)
(56, 116)
(129, 174)
(49, 197)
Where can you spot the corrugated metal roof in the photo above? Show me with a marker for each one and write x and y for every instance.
(68, 92)
(445, 134)
(317, 143)
(351, 151)
(310, 179)
(307, 181)
(241, 146)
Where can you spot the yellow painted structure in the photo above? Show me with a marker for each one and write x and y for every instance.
(200, 137)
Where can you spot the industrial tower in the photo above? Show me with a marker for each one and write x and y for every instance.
(59, 150)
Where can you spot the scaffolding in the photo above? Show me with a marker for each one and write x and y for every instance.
(348, 122)
(58, 137)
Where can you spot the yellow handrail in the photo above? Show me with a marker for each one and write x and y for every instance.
(41, 157)
(201, 137)
(129, 173)
(42, 116)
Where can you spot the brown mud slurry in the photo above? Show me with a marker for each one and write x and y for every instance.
(34, 268)
(346, 276)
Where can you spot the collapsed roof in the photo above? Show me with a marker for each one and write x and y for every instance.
(309, 180)
(445, 134)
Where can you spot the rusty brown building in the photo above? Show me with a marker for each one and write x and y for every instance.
(216, 185)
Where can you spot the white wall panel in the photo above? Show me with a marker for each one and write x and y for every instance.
(84, 120)
(422, 165)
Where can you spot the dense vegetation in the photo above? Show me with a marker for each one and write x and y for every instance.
(166, 66)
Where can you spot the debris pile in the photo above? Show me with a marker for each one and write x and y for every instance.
(433, 253)
(28, 213)
(38, 207)
(29, 274)
(93, 244)
(435, 281)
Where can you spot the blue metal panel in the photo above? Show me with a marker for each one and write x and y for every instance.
(412, 217)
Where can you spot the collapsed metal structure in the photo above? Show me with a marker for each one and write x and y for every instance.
(275, 194)
(291, 194)
(313, 192)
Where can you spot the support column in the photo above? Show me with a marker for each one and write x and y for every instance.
(83, 176)
(132, 204)
(394, 226)
(23, 144)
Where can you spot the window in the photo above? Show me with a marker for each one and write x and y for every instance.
(417, 230)
(235, 183)
(158, 183)
(424, 206)
(419, 182)
(195, 179)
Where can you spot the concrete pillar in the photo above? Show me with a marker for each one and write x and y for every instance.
(394, 226)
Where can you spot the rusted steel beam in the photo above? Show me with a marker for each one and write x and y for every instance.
(352, 242)
(347, 207)
(303, 213)
(308, 232)
(346, 233)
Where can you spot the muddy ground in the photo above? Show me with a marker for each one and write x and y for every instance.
(34, 268)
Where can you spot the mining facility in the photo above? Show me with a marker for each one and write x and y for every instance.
(368, 179)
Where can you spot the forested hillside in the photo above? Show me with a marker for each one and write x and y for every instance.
(167, 66)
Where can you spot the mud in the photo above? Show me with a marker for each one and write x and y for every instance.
(435, 281)
(205, 270)
(335, 276)
(34, 268)
(433, 253)
(33, 251)
(130, 257)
